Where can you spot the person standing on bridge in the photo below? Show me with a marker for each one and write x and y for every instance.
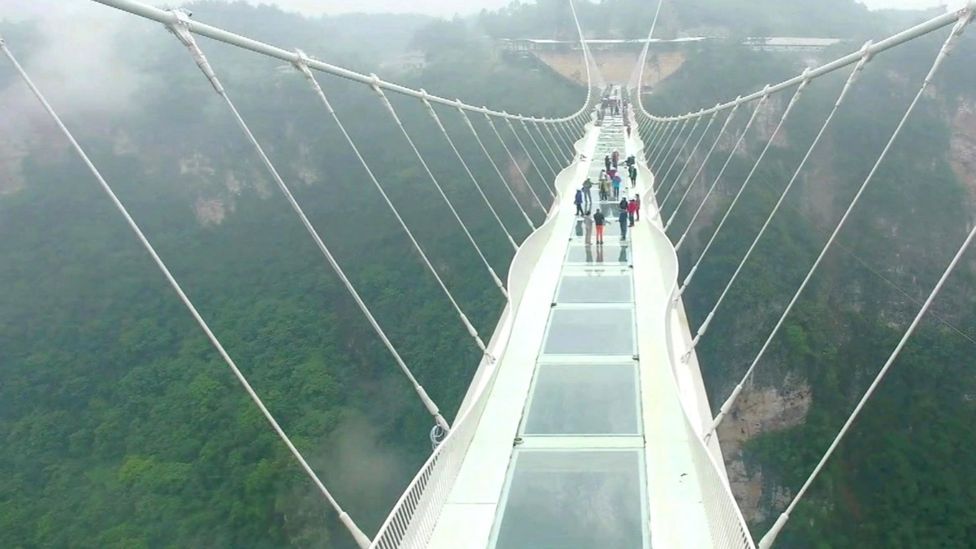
(588, 196)
(606, 162)
(633, 175)
(600, 221)
(615, 159)
(616, 186)
(637, 212)
(604, 186)
(631, 211)
(578, 200)
(622, 218)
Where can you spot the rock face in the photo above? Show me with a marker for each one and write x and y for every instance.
(760, 411)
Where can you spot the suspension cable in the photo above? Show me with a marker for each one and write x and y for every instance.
(467, 169)
(535, 143)
(450, 205)
(491, 160)
(721, 173)
(691, 157)
(165, 17)
(701, 168)
(851, 80)
(181, 32)
(361, 539)
(552, 152)
(662, 144)
(655, 133)
(741, 191)
(518, 168)
(939, 59)
(755, 167)
(684, 145)
(555, 141)
(532, 162)
(669, 151)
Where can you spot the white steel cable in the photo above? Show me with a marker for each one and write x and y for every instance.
(552, 152)
(851, 80)
(721, 173)
(532, 162)
(491, 160)
(740, 192)
(642, 59)
(568, 132)
(662, 145)
(767, 540)
(557, 147)
(515, 163)
(467, 169)
(684, 145)
(187, 39)
(654, 135)
(939, 59)
(450, 205)
(752, 172)
(895, 40)
(472, 331)
(535, 143)
(361, 539)
(166, 17)
(701, 168)
(691, 157)
(666, 152)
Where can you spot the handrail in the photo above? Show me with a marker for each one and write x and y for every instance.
(870, 50)
(292, 57)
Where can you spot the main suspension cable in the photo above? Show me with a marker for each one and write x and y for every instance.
(939, 59)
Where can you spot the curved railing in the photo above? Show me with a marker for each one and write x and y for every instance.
(727, 526)
(414, 517)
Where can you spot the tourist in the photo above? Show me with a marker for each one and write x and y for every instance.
(637, 212)
(588, 196)
(599, 220)
(604, 186)
(615, 159)
(578, 200)
(622, 218)
(631, 210)
(616, 186)
(633, 176)
(606, 162)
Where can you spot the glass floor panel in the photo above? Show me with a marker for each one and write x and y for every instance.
(595, 287)
(573, 500)
(584, 399)
(610, 253)
(591, 331)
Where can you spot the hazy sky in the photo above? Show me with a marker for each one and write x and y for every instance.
(26, 9)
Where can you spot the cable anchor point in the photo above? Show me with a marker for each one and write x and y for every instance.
(180, 27)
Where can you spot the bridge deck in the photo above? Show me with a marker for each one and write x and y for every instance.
(583, 442)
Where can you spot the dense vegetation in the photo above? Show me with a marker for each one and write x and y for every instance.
(900, 478)
(119, 425)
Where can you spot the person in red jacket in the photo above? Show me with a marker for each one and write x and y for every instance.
(637, 212)
(631, 210)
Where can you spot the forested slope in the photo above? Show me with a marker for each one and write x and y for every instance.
(119, 424)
